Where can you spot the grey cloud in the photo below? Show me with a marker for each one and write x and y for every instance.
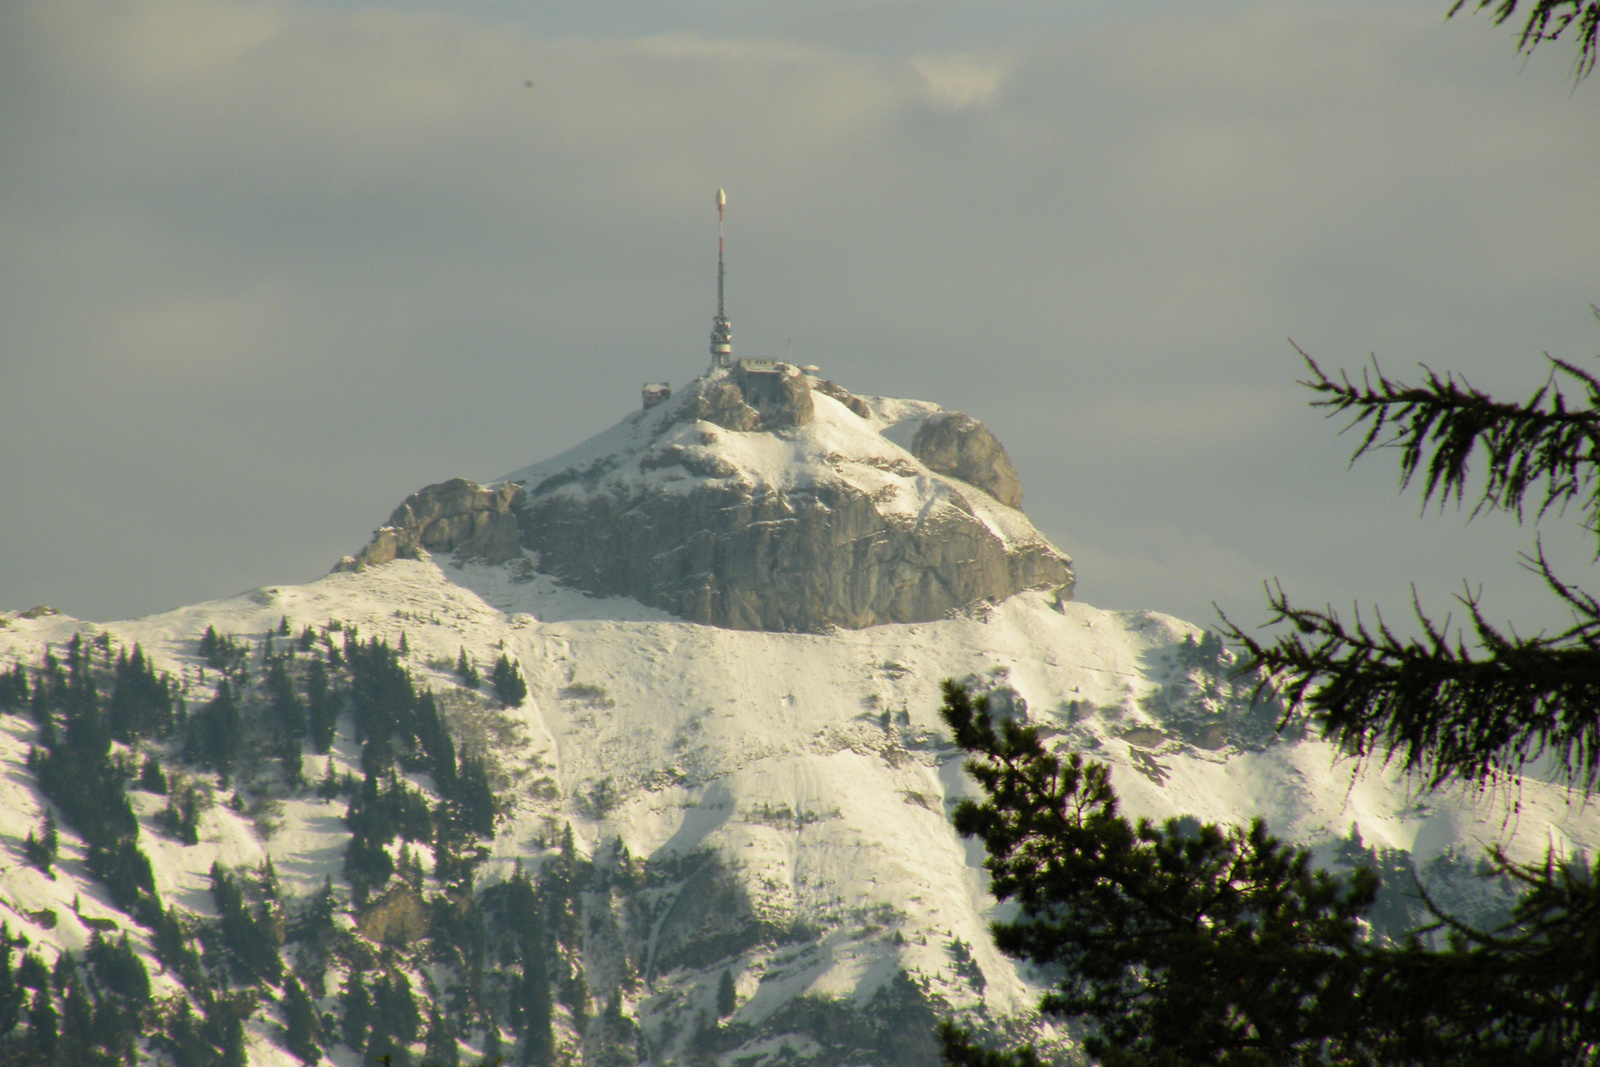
(269, 268)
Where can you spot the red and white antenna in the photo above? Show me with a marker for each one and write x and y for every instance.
(721, 328)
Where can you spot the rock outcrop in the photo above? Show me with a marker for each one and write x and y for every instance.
(754, 557)
(843, 396)
(962, 447)
(455, 516)
(751, 502)
(757, 394)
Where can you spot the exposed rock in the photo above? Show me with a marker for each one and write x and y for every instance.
(843, 396)
(751, 558)
(777, 391)
(757, 394)
(962, 447)
(455, 516)
(783, 519)
(397, 918)
(723, 403)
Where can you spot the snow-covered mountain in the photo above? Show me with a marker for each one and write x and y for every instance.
(760, 498)
(705, 844)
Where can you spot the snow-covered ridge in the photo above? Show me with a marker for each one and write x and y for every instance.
(667, 448)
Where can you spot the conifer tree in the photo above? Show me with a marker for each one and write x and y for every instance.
(235, 1053)
(303, 1037)
(1548, 20)
(13, 688)
(41, 851)
(12, 993)
(216, 731)
(440, 1047)
(322, 708)
(509, 687)
(43, 1027)
(355, 1012)
(152, 779)
(1184, 945)
(141, 703)
(183, 1039)
(474, 798)
(119, 970)
(466, 671)
(328, 786)
(77, 1024)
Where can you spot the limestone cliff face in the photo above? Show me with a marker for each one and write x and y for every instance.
(455, 516)
(758, 499)
(752, 557)
(962, 447)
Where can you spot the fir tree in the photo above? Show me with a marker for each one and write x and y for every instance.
(184, 1040)
(1548, 20)
(235, 1053)
(466, 671)
(41, 851)
(13, 688)
(141, 703)
(440, 1047)
(474, 797)
(119, 970)
(355, 1013)
(216, 731)
(303, 1037)
(1181, 945)
(727, 997)
(322, 708)
(43, 1027)
(248, 932)
(328, 787)
(507, 681)
(12, 993)
(152, 779)
(77, 1024)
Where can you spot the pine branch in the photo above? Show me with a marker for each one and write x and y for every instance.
(1439, 425)
(1224, 946)
(1548, 20)
(1434, 705)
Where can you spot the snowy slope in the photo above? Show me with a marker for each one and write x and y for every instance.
(755, 818)
(870, 455)
(813, 767)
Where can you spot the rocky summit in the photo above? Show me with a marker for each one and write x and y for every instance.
(759, 498)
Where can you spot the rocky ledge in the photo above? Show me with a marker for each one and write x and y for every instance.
(758, 499)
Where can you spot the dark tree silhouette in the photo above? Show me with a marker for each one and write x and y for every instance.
(509, 687)
(1547, 20)
(1184, 945)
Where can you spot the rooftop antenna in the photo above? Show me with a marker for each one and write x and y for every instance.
(721, 328)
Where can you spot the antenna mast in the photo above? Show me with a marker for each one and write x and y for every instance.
(721, 328)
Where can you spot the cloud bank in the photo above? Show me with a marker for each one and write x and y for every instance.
(268, 267)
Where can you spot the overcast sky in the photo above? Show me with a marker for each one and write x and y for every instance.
(265, 268)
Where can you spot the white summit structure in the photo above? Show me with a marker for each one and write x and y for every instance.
(721, 328)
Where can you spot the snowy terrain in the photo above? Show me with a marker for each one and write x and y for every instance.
(773, 807)
(769, 749)
(869, 455)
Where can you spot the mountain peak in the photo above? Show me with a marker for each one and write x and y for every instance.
(761, 497)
